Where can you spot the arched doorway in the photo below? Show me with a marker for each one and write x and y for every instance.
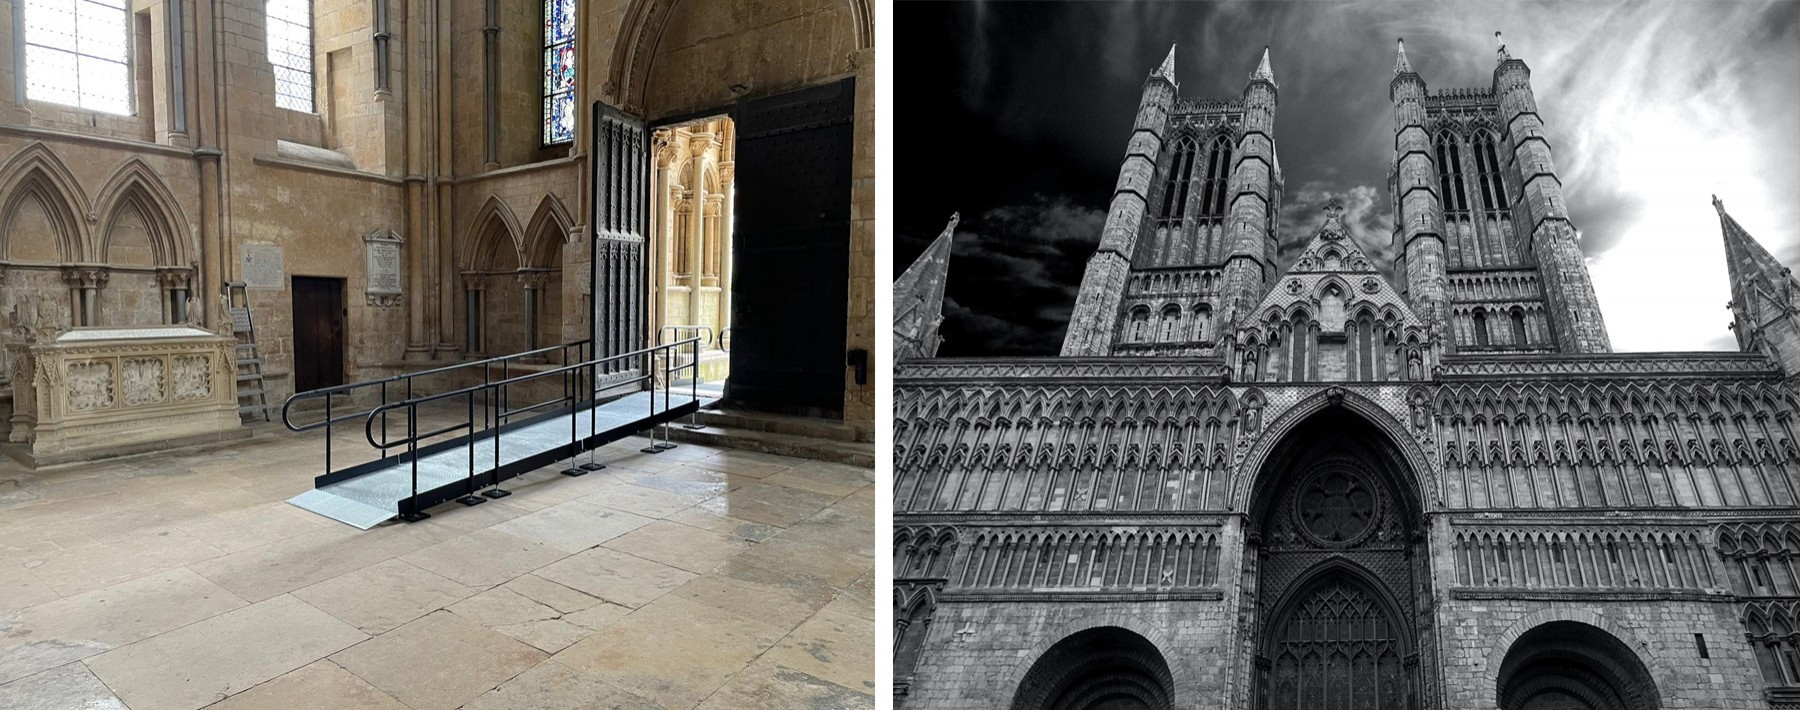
(1334, 546)
(1104, 668)
(1569, 665)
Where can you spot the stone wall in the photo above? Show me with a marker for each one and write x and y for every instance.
(217, 166)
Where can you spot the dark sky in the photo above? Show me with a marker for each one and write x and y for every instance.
(1016, 115)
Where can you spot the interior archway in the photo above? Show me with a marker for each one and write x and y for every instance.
(1569, 665)
(1104, 668)
(1333, 543)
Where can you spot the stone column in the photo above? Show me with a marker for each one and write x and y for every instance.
(699, 147)
(727, 184)
(176, 284)
(534, 281)
(85, 283)
(474, 286)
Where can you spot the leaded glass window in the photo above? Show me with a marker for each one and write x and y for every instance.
(291, 53)
(559, 71)
(77, 53)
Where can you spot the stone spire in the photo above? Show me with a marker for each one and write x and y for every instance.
(1401, 66)
(1500, 54)
(1763, 292)
(1167, 70)
(1263, 72)
(919, 298)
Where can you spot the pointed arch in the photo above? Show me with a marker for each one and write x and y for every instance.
(493, 234)
(546, 234)
(1415, 467)
(36, 174)
(134, 185)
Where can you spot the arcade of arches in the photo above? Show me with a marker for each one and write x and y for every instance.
(455, 135)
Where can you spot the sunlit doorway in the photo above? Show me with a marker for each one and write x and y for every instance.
(691, 226)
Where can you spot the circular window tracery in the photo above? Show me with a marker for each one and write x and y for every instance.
(1337, 507)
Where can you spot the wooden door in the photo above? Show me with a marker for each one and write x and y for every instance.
(791, 251)
(318, 332)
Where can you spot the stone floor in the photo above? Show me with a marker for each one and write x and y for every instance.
(695, 578)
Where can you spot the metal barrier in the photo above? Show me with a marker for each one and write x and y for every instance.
(581, 386)
(404, 386)
(693, 419)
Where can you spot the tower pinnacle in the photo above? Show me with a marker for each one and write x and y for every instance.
(1763, 296)
(1500, 53)
(1401, 66)
(1167, 70)
(1263, 72)
(919, 298)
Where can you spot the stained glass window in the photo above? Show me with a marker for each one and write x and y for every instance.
(76, 53)
(559, 71)
(291, 53)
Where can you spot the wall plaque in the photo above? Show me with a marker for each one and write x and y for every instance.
(261, 266)
(382, 248)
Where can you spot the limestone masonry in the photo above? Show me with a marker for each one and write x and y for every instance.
(1305, 486)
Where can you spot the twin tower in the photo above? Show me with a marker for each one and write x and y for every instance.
(1482, 240)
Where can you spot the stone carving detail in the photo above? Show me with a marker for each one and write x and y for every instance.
(143, 380)
(90, 385)
(1581, 557)
(193, 377)
(1137, 559)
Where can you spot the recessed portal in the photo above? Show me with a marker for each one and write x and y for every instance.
(1106, 668)
(1568, 665)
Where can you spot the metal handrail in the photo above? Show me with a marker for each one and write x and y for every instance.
(327, 392)
(368, 425)
(571, 374)
(707, 329)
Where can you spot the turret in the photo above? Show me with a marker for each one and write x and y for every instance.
(1764, 314)
(1249, 263)
(1418, 216)
(1568, 290)
(1091, 327)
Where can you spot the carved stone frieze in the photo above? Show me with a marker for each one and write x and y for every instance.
(142, 379)
(90, 385)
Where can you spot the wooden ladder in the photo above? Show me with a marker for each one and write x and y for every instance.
(250, 383)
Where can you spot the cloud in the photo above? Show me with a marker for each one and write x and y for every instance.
(1014, 273)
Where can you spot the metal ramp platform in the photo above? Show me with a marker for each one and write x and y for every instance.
(495, 440)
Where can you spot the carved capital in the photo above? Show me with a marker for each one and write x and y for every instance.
(85, 276)
(533, 279)
(174, 277)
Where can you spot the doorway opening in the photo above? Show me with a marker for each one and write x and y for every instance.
(318, 332)
(692, 223)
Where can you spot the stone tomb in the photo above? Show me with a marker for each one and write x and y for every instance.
(95, 392)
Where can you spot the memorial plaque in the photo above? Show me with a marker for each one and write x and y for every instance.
(383, 267)
(261, 266)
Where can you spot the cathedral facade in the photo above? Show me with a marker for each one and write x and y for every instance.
(1247, 484)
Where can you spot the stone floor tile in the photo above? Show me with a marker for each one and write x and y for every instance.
(768, 685)
(685, 480)
(617, 577)
(321, 684)
(484, 558)
(780, 506)
(383, 595)
(554, 686)
(22, 542)
(53, 633)
(795, 561)
(745, 463)
(19, 588)
(440, 661)
(858, 599)
(501, 606)
(825, 478)
(700, 517)
(643, 501)
(551, 594)
(831, 646)
(245, 528)
(205, 662)
(674, 651)
(678, 545)
(573, 526)
(65, 687)
(784, 607)
(110, 563)
(595, 618)
(834, 529)
(303, 560)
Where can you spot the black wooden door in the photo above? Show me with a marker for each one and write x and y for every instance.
(791, 251)
(621, 213)
(318, 333)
